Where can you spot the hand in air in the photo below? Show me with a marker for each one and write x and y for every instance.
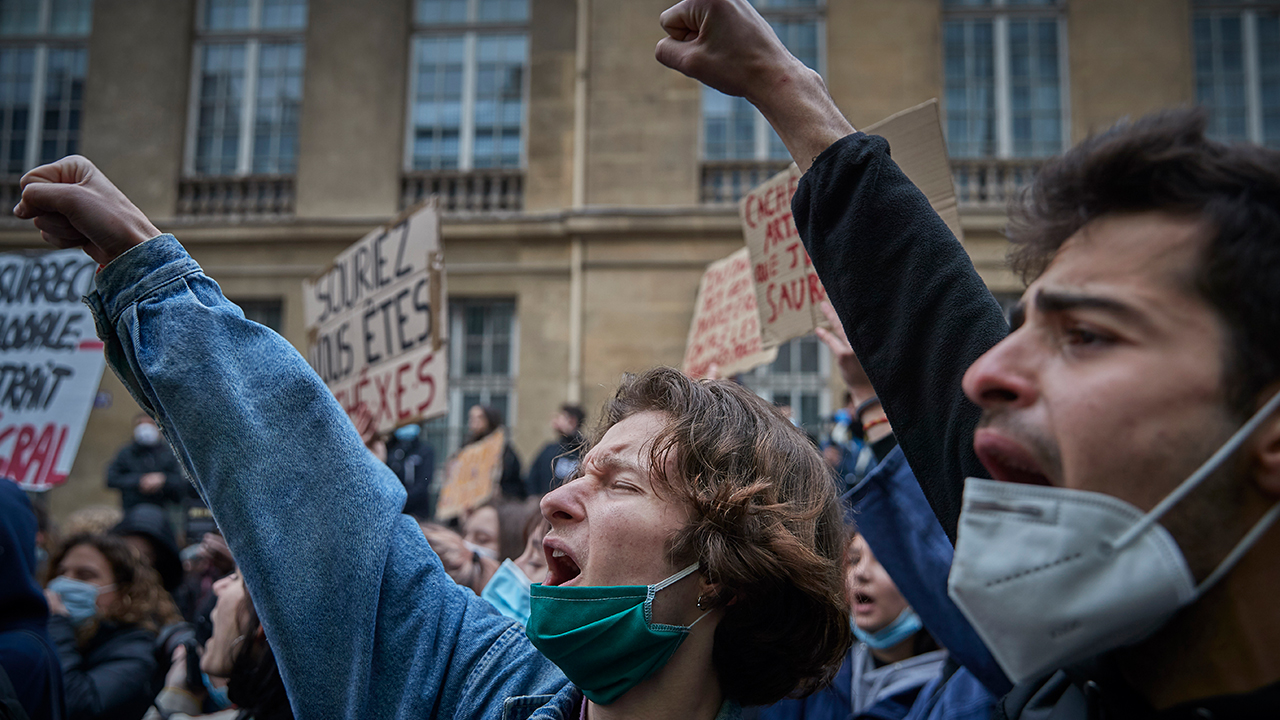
(726, 45)
(74, 205)
(855, 378)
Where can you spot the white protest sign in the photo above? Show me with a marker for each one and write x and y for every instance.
(726, 325)
(50, 364)
(376, 320)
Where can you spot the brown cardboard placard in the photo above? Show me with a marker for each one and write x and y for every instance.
(725, 331)
(788, 292)
(376, 322)
(471, 475)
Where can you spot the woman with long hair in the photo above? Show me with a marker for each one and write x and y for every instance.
(238, 651)
(105, 608)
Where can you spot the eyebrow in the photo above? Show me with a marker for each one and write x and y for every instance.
(1052, 301)
(614, 463)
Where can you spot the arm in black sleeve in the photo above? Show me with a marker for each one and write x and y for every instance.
(914, 308)
(117, 683)
(122, 474)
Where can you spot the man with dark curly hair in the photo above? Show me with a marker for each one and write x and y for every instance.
(694, 561)
(1121, 564)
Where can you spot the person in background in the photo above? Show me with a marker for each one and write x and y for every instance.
(238, 651)
(146, 529)
(508, 586)
(498, 528)
(106, 608)
(413, 460)
(203, 565)
(145, 470)
(482, 420)
(28, 659)
(559, 459)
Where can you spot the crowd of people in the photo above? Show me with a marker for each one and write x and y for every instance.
(1068, 515)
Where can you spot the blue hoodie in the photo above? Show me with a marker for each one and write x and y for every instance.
(27, 653)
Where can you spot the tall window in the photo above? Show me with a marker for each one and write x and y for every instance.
(247, 87)
(1005, 88)
(1237, 55)
(732, 128)
(468, 78)
(42, 66)
(482, 367)
(798, 378)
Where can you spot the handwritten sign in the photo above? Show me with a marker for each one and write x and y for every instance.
(50, 364)
(470, 476)
(376, 320)
(726, 324)
(788, 291)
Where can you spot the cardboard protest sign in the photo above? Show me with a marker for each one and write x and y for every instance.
(376, 321)
(50, 364)
(788, 291)
(726, 324)
(471, 475)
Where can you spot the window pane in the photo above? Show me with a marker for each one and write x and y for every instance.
(969, 65)
(17, 70)
(284, 14)
(226, 15)
(500, 71)
(1220, 79)
(63, 90)
(70, 17)
(503, 11)
(437, 101)
(441, 11)
(279, 99)
(19, 17)
(221, 93)
(264, 312)
(1035, 102)
(1269, 77)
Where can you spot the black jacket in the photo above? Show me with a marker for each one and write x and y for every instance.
(557, 461)
(918, 315)
(110, 678)
(414, 462)
(135, 460)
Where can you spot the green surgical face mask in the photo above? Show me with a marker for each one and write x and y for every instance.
(604, 638)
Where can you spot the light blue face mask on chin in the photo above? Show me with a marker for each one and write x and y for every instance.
(508, 592)
(903, 627)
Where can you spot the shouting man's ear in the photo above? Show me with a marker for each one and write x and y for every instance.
(1266, 442)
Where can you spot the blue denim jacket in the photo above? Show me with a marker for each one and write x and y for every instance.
(362, 617)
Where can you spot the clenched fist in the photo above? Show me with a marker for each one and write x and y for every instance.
(74, 205)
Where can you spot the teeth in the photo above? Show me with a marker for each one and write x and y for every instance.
(557, 553)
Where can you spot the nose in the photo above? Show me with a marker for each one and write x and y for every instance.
(1003, 377)
(221, 584)
(564, 504)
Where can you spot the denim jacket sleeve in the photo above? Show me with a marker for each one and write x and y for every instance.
(362, 618)
(894, 518)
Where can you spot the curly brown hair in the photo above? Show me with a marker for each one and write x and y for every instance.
(140, 598)
(768, 529)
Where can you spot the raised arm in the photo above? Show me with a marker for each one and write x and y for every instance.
(362, 618)
(915, 310)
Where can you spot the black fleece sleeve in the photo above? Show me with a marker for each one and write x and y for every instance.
(915, 310)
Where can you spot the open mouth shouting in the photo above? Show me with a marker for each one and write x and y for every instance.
(1007, 459)
(562, 569)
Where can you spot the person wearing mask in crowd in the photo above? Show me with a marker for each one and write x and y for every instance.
(413, 460)
(885, 670)
(558, 459)
(106, 608)
(32, 675)
(498, 528)
(509, 587)
(203, 565)
(146, 529)
(145, 470)
(1131, 407)
(482, 421)
(238, 651)
(695, 563)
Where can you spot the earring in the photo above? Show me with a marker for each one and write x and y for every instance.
(699, 603)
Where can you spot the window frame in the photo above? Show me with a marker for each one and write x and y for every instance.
(41, 42)
(762, 379)
(762, 130)
(1000, 12)
(469, 30)
(253, 37)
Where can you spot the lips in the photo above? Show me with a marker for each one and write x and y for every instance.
(562, 568)
(863, 603)
(1007, 459)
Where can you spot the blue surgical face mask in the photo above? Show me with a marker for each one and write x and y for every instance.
(408, 433)
(217, 695)
(508, 592)
(906, 625)
(79, 597)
